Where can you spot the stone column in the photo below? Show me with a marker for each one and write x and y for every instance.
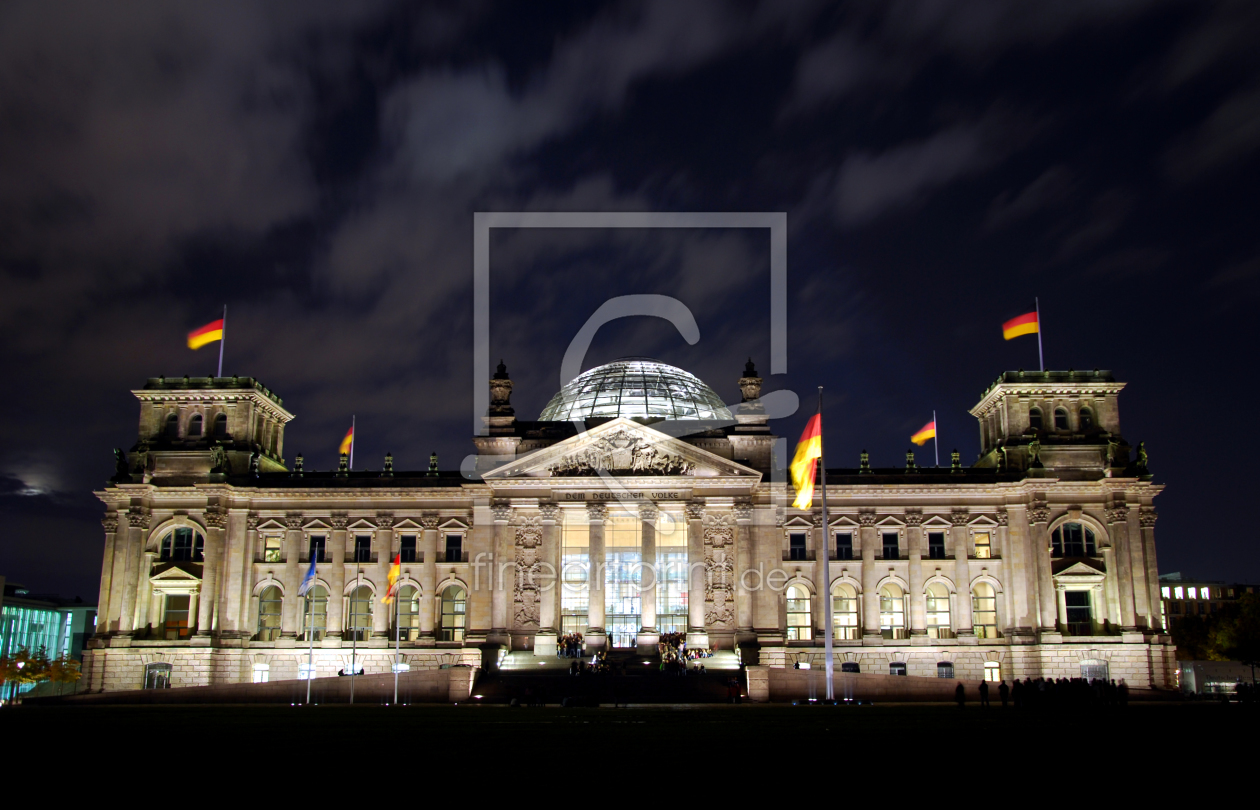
(870, 593)
(232, 568)
(743, 562)
(292, 575)
(914, 539)
(647, 583)
(1038, 519)
(211, 571)
(1137, 570)
(1098, 600)
(962, 572)
(110, 524)
(242, 600)
(821, 574)
(1061, 606)
(144, 600)
(500, 589)
(138, 524)
(1146, 519)
(695, 566)
(336, 575)
(596, 513)
(1118, 528)
(549, 581)
(428, 575)
(386, 548)
(1007, 617)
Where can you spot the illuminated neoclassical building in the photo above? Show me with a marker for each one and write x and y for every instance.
(639, 504)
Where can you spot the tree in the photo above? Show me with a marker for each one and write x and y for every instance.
(62, 670)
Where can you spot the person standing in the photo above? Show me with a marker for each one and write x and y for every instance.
(984, 694)
(1004, 692)
(960, 695)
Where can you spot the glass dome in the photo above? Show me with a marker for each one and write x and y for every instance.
(638, 388)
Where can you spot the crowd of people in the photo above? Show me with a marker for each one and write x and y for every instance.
(675, 654)
(1051, 693)
(569, 646)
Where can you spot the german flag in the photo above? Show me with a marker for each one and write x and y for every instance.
(803, 468)
(1027, 324)
(395, 571)
(207, 334)
(347, 442)
(926, 432)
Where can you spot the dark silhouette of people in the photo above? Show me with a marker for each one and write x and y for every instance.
(1004, 692)
(960, 695)
(984, 694)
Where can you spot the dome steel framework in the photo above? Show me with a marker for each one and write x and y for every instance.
(635, 388)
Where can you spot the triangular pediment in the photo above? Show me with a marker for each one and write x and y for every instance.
(936, 522)
(622, 448)
(271, 525)
(1079, 570)
(175, 579)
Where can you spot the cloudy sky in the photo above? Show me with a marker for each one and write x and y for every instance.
(316, 166)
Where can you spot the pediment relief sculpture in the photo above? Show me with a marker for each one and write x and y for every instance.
(623, 453)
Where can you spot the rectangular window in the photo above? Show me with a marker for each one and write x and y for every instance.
(317, 548)
(272, 548)
(1176, 608)
(261, 673)
(363, 548)
(1207, 593)
(936, 545)
(1178, 593)
(796, 546)
(844, 545)
(891, 550)
(1165, 592)
(454, 548)
(175, 623)
(575, 542)
(1079, 612)
(407, 548)
(1192, 593)
(983, 549)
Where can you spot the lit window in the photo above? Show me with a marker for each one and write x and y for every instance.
(157, 676)
(360, 625)
(408, 613)
(1080, 614)
(454, 600)
(272, 548)
(1165, 591)
(175, 622)
(305, 671)
(575, 570)
(938, 625)
(982, 546)
(896, 668)
(1190, 592)
(992, 671)
(844, 614)
(261, 672)
(984, 610)
(798, 614)
(270, 604)
(1207, 593)
(1178, 593)
(944, 669)
(315, 613)
(892, 611)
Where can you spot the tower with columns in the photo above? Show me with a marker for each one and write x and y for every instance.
(638, 504)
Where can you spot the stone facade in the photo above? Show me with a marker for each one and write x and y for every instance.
(1040, 559)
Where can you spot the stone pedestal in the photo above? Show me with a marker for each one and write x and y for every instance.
(645, 642)
(545, 642)
(697, 640)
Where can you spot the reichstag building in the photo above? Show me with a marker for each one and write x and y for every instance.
(638, 504)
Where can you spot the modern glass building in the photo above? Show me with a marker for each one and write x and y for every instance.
(36, 621)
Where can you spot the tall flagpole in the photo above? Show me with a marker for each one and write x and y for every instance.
(396, 649)
(936, 443)
(310, 636)
(824, 558)
(353, 437)
(1041, 358)
(222, 340)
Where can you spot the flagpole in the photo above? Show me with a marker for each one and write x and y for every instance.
(354, 631)
(396, 649)
(1040, 357)
(310, 656)
(824, 559)
(352, 438)
(936, 443)
(222, 340)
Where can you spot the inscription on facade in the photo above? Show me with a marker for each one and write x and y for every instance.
(623, 495)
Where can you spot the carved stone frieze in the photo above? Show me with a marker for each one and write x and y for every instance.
(1146, 517)
(384, 520)
(428, 520)
(695, 510)
(528, 544)
(293, 520)
(549, 511)
(648, 513)
(137, 518)
(866, 517)
(622, 452)
(1003, 518)
(596, 512)
(339, 520)
(1118, 514)
(743, 510)
(110, 522)
(959, 517)
(1039, 514)
(914, 517)
(502, 511)
(251, 522)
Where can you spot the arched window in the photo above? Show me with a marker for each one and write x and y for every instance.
(220, 426)
(896, 668)
(844, 612)
(194, 425)
(892, 611)
(183, 544)
(938, 625)
(270, 603)
(984, 610)
(1060, 419)
(1034, 418)
(944, 669)
(454, 599)
(408, 613)
(799, 627)
(172, 426)
(1073, 540)
(314, 613)
(360, 624)
(1087, 419)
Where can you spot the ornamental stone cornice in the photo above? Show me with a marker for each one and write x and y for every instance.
(1146, 517)
(1003, 518)
(339, 520)
(137, 519)
(866, 517)
(1117, 514)
(294, 520)
(110, 523)
(215, 519)
(502, 511)
(914, 517)
(695, 510)
(959, 517)
(251, 522)
(428, 520)
(648, 512)
(743, 510)
(384, 520)
(596, 512)
(549, 511)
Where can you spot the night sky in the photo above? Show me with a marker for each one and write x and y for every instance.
(316, 166)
